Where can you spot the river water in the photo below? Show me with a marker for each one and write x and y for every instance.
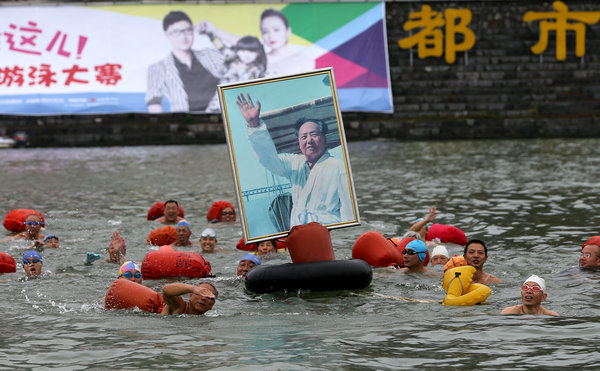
(534, 202)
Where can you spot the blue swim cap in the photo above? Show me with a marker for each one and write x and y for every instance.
(49, 237)
(253, 258)
(419, 247)
(31, 255)
(184, 223)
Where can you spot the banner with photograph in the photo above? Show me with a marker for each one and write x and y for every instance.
(170, 58)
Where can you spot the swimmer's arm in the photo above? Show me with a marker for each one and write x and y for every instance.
(550, 313)
(172, 297)
(494, 279)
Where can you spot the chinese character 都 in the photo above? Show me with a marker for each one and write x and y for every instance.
(430, 37)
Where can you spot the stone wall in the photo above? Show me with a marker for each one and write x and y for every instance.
(498, 89)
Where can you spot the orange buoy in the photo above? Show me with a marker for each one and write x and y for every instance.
(125, 294)
(447, 233)
(7, 263)
(455, 262)
(214, 213)
(162, 236)
(158, 209)
(309, 243)
(15, 218)
(167, 262)
(376, 250)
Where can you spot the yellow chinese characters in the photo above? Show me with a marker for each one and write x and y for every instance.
(430, 37)
(561, 25)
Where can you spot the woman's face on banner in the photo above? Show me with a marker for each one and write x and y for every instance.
(274, 32)
(181, 35)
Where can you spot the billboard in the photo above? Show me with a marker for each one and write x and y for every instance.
(171, 58)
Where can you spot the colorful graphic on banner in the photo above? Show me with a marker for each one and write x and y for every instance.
(170, 58)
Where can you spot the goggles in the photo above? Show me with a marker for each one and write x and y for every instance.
(34, 223)
(31, 261)
(532, 288)
(128, 274)
(211, 235)
(409, 252)
(227, 213)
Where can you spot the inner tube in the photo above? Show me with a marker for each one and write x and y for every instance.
(15, 218)
(328, 275)
(167, 262)
(125, 294)
(7, 263)
(460, 290)
(158, 209)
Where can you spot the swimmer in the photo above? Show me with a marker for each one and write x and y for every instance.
(476, 255)
(246, 263)
(265, 247)
(589, 259)
(170, 213)
(32, 263)
(414, 255)
(439, 255)
(182, 233)
(33, 224)
(421, 225)
(533, 293)
(202, 298)
(130, 271)
(51, 241)
(208, 240)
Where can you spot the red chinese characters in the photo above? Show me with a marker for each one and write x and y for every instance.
(44, 75)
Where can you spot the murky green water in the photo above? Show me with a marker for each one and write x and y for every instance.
(533, 201)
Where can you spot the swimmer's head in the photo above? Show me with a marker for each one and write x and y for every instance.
(539, 280)
(419, 247)
(32, 263)
(246, 263)
(32, 256)
(127, 266)
(439, 255)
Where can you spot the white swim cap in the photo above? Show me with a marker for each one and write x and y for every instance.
(539, 280)
(440, 250)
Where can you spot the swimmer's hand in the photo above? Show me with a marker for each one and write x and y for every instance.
(203, 292)
(248, 109)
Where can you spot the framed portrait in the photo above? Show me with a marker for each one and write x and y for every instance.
(288, 154)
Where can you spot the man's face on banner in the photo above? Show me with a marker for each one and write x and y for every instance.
(181, 35)
(311, 141)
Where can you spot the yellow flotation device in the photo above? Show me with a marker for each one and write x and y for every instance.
(460, 291)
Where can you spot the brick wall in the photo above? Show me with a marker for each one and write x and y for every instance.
(498, 89)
